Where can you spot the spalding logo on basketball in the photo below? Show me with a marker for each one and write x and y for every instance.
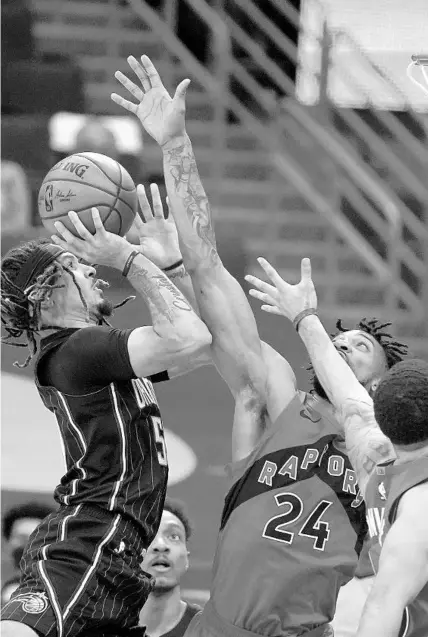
(84, 180)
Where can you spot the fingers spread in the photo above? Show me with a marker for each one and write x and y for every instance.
(272, 309)
(65, 234)
(151, 71)
(129, 85)
(157, 202)
(270, 271)
(146, 211)
(118, 99)
(261, 285)
(265, 298)
(140, 73)
(99, 226)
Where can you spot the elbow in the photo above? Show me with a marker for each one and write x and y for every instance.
(194, 338)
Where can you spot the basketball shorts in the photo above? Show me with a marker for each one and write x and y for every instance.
(208, 623)
(81, 572)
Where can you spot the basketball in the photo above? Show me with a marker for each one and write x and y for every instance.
(84, 180)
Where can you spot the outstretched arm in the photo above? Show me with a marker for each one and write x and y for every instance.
(403, 568)
(366, 444)
(246, 365)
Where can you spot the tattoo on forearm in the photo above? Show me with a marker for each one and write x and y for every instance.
(152, 287)
(188, 186)
(178, 274)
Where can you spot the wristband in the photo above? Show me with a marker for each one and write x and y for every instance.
(173, 266)
(301, 315)
(129, 261)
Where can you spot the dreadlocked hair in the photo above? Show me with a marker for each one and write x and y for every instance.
(394, 350)
(20, 309)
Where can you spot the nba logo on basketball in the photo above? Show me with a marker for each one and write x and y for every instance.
(48, 198)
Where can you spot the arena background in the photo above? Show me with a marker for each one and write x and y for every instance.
(197, 409)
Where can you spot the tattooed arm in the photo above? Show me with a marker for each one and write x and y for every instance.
(259, 378)
(177, 333)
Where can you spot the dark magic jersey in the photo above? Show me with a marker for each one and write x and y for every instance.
(292, 527)
(113, 442)
(384, 490)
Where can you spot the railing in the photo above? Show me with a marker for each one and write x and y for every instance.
(359, 178)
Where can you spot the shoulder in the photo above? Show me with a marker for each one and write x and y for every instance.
(192, 609)
(414, 500)
(276, 362)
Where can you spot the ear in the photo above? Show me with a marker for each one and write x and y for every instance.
(374, 385)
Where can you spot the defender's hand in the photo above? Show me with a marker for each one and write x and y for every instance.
(281, 297)
(103, 248)
(156, 230)
(161, 116)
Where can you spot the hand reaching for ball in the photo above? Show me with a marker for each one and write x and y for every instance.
(157, 234)
(103, 248)
(161, 115)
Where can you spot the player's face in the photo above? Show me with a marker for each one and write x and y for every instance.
(80, 277)
(167, 556)
(364, 356)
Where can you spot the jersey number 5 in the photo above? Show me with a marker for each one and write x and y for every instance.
(313, 527)
(160, 440)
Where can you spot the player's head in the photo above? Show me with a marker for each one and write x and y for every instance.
(369, 351)
(19, 523)
(95, 137)
(167, 557)
(401, 403)
(45, 287)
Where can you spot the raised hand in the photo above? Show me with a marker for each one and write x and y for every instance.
(103, 248)
(161, 115)
(282, 298)
(156, 231)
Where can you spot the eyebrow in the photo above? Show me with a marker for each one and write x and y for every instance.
(368, 338)
(174, 526)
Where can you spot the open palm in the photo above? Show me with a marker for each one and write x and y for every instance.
(163, 117)
(156, 231)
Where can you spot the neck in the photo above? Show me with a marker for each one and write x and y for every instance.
(162, 612)
(410, 453)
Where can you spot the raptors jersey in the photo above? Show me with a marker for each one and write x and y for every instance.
(114, 446)
(384, 490)
(292, 527)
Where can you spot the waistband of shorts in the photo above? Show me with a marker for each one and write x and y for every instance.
(224, 629)
(99, 513)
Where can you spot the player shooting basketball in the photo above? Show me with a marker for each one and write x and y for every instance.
(81, 568)
(396, 492)
(293, 520)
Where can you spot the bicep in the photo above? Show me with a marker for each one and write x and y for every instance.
(366, 445)
(150, 354)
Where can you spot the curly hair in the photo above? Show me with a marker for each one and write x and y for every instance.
(401, 403)
(394, 350)
(21, 304)
(20, 308)
(178, 508)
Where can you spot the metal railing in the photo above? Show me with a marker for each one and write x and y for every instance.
(360, 180)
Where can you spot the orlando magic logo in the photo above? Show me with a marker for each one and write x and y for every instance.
(32, 603)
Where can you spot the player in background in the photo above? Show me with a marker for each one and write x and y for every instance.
(166, 614)
(293, 521)
(396, 492)
(81, 568)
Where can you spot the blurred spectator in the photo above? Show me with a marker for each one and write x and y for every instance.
(166, 614)
(15, 198)
(18, 525)
(9, 586)
(95, 137)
